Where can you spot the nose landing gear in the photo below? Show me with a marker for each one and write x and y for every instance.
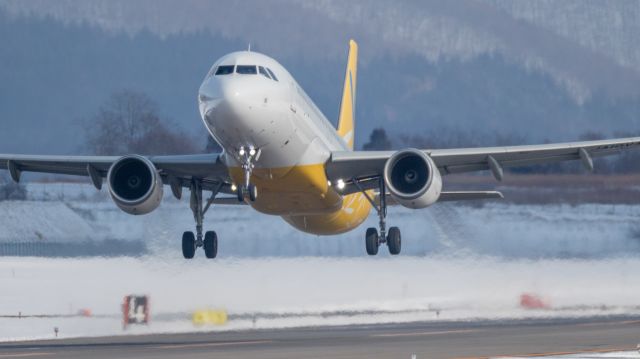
(247, 158)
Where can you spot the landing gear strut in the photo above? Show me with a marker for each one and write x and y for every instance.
(191, 241)
(373, 238)
(247, 158)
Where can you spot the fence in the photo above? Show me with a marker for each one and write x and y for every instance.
(106, 248)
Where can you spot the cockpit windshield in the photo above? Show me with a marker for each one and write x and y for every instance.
(246, 69)
(224, 70)
(243, 70)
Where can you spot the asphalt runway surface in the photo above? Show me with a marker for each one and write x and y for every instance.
(424, 340)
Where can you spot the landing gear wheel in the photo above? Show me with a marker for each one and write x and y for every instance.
(240, 193)
(210, 244)
(394, 241)
(253, 192)
(372, 241)
(188, 245)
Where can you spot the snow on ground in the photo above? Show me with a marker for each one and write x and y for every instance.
(49, 221)
(398, 289)
(458, 263)
(494, 228)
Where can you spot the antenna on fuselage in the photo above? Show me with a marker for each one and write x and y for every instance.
(249, 49)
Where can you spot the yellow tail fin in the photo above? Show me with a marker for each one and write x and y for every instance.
(346, 121)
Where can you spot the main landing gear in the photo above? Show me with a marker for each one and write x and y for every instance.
(373, 238)
(248, 189)
(191, 241)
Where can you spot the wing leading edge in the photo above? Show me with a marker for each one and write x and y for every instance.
(173, 169)
(365, 165)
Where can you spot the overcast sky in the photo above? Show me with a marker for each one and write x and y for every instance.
(585, 45)
(542, 70)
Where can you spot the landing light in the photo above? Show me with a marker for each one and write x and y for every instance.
(252, 151)
(234, 188)
(329, 183)
(241, 151)
(340, 184)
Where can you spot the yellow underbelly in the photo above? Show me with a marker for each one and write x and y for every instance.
(302, 196)
(354, 211)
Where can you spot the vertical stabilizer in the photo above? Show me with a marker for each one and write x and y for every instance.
(346, 121)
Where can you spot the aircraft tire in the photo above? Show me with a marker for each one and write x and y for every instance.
(371, 241)
(253, 192)
(240, 194)
(210, 244)
(188, 245)
(394, 241)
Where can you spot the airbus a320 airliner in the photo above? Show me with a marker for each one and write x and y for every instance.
(282, 157)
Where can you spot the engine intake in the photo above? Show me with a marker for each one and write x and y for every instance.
(413, 179)
(134, 185)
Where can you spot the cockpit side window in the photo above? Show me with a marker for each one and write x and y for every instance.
(212, 71)
(264, 72)
(246, 70)
(224, 70)
(273, 76)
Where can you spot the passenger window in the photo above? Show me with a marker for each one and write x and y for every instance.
(263, 72)
(273, 76)
(246, 70)
(224, 70)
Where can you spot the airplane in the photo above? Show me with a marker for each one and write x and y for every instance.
(283, 157)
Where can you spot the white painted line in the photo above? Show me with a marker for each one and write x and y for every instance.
(206, 345)
(420, 334)
(24, 355)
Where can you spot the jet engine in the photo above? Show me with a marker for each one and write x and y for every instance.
(135, 185)
(413, 179)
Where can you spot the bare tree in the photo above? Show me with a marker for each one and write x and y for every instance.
(378, 140)
(129, 122)
(11, 191)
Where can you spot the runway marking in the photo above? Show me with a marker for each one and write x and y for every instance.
(420, 334)
(24, 355)
(206, 345)
(625, 322)
(541, 355)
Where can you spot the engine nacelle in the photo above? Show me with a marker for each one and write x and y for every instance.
(413, 179)
(135, 185)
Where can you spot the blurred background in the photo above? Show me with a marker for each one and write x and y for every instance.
(432, 75)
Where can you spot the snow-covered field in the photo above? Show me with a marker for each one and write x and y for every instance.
(363, 290)
(458, 263)
(80, 213)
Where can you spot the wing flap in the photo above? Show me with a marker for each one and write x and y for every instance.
(229, 201)
(469, 196)
(454, 196)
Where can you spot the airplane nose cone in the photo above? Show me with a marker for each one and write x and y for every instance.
(210, 96)
(231, 93)
(230, 96)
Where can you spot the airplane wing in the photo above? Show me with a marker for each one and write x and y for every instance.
(366, 166)
(178, 170)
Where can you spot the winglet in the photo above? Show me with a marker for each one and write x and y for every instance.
(346, 121)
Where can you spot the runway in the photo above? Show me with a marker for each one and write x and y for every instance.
(522, 338)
